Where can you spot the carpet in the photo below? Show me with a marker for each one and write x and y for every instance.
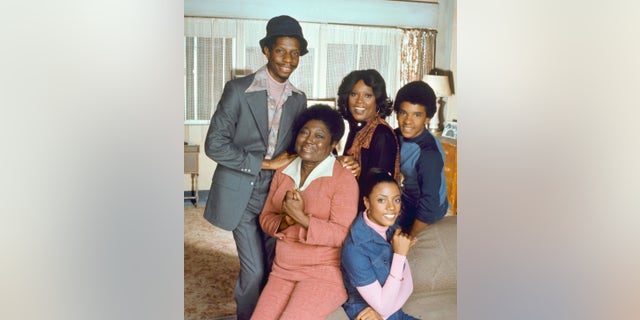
(211, 267)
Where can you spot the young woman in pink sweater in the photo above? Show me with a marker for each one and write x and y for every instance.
(374, 257)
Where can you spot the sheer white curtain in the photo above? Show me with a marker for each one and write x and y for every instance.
(351, 48)
(250, 56)
(208, 64)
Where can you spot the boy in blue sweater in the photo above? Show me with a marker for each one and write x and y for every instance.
(424, 194)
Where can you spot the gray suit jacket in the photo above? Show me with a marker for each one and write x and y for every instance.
(237, 142)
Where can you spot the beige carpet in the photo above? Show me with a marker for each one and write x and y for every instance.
(210, 268)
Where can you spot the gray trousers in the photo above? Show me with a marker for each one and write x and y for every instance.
(256, 249)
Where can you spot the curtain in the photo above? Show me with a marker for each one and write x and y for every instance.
(208, 65)
(417, 54)
(349, 48)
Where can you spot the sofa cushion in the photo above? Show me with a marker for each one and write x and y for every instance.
(433, 305)
(433, 259)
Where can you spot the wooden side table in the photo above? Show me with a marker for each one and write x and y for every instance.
(450, 149)
(191, 164)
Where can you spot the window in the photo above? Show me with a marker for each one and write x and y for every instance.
(344, 58)
(208, 65)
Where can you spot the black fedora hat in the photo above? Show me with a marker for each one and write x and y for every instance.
(285, 26)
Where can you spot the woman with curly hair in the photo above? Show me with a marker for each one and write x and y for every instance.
(371, 143)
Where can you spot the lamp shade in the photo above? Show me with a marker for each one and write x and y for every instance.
(439, 84)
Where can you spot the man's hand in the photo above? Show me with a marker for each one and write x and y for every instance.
(417, 227)
(278, 162)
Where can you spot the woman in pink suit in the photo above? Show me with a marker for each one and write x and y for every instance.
(311, 205)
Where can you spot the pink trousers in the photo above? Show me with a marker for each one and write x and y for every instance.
(305, 299)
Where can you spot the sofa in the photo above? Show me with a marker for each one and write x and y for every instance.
(433, 262)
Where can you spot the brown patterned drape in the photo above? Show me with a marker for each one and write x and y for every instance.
(417, 54)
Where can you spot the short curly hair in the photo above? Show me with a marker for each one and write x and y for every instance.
(322, 112)
(373, 79)
(417, 92)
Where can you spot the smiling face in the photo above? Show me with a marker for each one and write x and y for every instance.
(313, 143)
(362, 102)
(383, 203)
(282, 58)
(412, 119)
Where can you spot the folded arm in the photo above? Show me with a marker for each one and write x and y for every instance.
(343, 209)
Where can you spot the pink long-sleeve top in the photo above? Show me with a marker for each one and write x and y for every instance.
(330, 198)
(388, 299)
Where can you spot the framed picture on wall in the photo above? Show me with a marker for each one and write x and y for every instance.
(450, 130)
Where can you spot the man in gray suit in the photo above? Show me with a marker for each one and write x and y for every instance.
(249, 134)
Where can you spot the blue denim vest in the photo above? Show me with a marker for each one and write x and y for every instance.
(366, 257)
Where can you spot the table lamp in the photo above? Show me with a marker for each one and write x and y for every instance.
(440, 85)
